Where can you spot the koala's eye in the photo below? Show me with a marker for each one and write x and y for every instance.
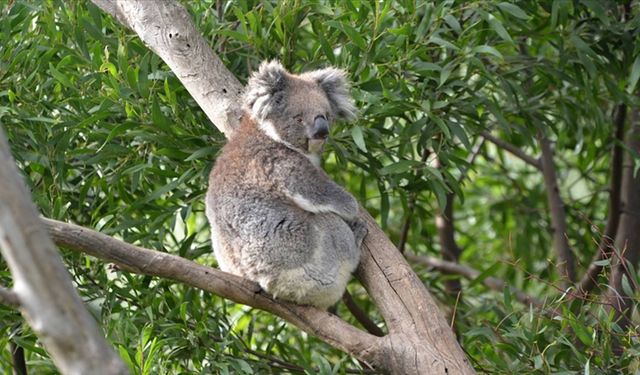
(298, 118)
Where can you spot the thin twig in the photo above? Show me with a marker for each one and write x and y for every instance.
(512, 149)
(361, 316)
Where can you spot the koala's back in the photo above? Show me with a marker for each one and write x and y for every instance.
(260, 234)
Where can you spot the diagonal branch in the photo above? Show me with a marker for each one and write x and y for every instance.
(514, 150)
(566, 262)
(322, 324)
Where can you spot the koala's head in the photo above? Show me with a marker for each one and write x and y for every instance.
(298, 109)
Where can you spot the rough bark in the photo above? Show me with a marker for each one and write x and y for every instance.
(42, 285)
(419, 340)
(566, 263)
(589, 279)
(627, 244)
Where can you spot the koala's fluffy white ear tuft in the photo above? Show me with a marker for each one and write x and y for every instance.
(265, 90)
(335, 84)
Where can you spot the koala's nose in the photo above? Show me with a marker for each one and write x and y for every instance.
(320, 128)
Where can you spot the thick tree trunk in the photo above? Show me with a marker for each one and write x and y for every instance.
(419, 339)
(42, 287)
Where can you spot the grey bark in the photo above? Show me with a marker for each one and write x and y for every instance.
(42, 285)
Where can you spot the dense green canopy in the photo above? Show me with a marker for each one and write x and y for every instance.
(457, 101)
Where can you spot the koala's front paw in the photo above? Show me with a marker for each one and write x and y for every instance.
(359, 228)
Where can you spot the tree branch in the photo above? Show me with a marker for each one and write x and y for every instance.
(48, 300)
(361, 316)
(566, 262)
(325, 326)
(469, 273)
(589, 280)
(514, 150)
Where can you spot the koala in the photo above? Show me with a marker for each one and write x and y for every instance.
(276, 217)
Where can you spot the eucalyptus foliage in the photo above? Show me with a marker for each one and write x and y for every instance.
(108, 138)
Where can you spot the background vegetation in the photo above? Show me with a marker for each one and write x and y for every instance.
(108, 138)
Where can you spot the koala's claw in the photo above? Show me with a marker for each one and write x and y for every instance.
(359, 228)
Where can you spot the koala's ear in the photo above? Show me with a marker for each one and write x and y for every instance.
(265, 91)
(335, 84)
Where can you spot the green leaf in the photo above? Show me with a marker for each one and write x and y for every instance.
(513, 10)
(200, 153)
(399, 167)
(602, 262)
(453, 23)
(496, 25)
(59, 76)
(488, 50)
(358, 138)
(107, 66)
(491, 271)
(635, 75)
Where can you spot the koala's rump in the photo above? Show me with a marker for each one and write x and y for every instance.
(291, 253)
(330, 256)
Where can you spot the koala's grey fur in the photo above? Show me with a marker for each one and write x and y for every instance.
(276, 217)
